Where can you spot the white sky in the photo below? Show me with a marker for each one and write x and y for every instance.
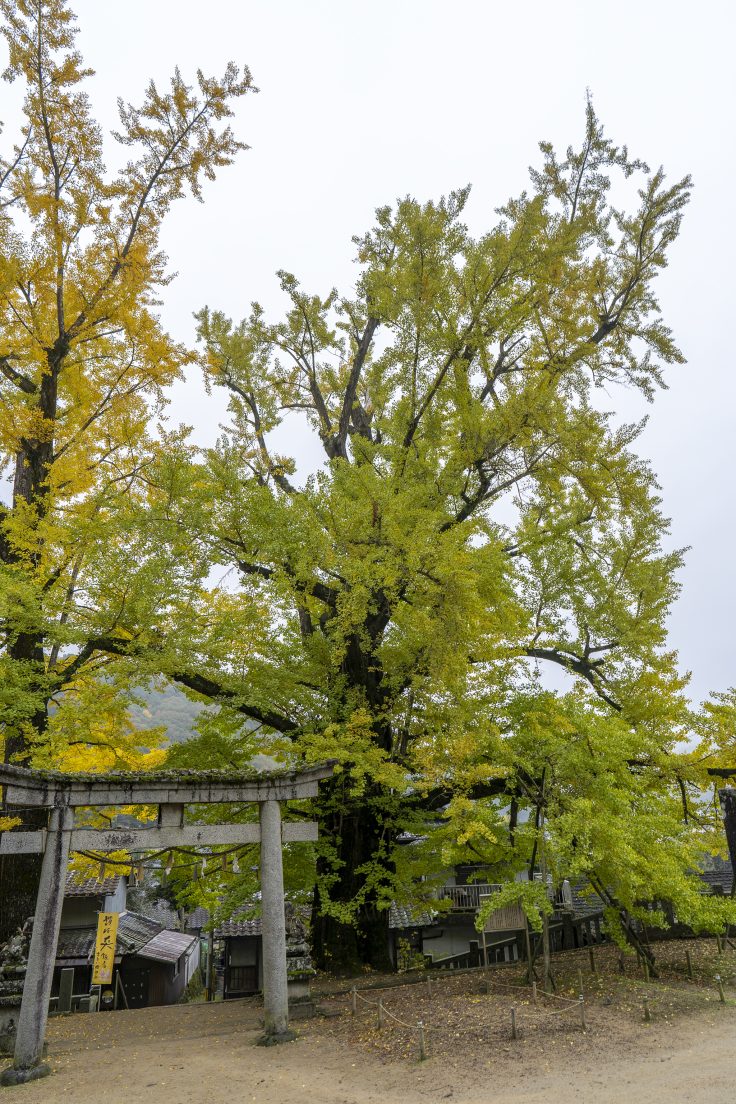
(362, 102)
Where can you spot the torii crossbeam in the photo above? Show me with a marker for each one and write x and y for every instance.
(171, 791)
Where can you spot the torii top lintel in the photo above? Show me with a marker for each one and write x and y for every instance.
(54, 789)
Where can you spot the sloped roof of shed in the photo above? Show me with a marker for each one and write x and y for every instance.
(167, 946)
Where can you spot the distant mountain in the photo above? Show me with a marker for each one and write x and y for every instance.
(170, 708)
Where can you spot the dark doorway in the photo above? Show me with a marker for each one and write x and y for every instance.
(136, 981)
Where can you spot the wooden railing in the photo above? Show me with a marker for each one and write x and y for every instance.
(467, 896)
(500, 951)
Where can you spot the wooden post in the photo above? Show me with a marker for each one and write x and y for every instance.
(583, 1024)
(119, 986)
(528, 945)
(645, 964)
(275, 996)
(485, 949)
(513, 1023)
(353, 1000)
(721, 994)
(380, 1011)
(591, 956)
(34, 1010)
(580, 981)
(647, 1013)
(534, 991)
(429, 987)
(545, 919)
(621, 963)
(210, 965)
(689, 961)
(422, 1044)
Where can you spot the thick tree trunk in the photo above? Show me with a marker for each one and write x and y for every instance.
(345, 948)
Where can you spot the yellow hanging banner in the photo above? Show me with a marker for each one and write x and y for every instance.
(107, 932)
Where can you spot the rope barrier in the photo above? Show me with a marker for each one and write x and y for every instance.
(514, 988)
(562, 1011)
(419, 1027)
(570, 1003)
(412, 1027)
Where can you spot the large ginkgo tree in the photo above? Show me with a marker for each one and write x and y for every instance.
(477, 519)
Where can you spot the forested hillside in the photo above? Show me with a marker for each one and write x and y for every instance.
(167, 706)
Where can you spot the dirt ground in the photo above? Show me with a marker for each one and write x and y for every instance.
(205, 1054)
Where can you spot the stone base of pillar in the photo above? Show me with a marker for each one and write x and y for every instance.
(305, 1010)
(22, 1076)
(266, 1039)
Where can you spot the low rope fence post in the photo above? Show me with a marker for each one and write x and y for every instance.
(647, 1013)
(534, 991)
(583, 1024)
(354, 1000)
(380, 1012)
(513, 1023)
(646, 969)
(422, 1042)
(429, 987)
(580, 981)
(721, 994)
(591, 956)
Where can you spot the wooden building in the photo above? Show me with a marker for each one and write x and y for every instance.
(154, 963)
(243, 964)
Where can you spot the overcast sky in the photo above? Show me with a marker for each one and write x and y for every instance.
(362, 101)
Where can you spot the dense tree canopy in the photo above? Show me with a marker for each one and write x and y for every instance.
(477, 518)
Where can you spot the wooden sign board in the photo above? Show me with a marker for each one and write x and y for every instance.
(104, 961)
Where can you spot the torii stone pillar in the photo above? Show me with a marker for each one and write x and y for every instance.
(273, 927)
(34, 1009)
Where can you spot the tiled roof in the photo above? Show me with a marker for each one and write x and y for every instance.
(162, 912)
(167, 946)
(237, 926)
(400, 917)
(718, 878)
(584, 901)
(134, 931)
(75, 942)
(77, 886)
(198, 919)
(136, 935)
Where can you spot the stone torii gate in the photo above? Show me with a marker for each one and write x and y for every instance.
(171, 791)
